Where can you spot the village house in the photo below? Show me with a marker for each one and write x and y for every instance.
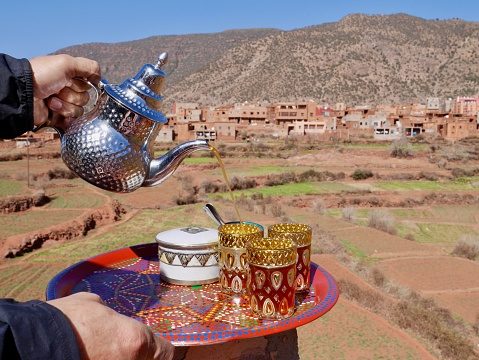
(452, 119)
(307, 118)
(465, 106)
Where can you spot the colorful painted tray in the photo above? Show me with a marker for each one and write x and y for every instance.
(128, 281)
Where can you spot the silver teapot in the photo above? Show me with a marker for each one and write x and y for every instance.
(111, 146)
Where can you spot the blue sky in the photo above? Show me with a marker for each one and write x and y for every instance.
(31, 28)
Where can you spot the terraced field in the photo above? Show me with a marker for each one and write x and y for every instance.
(417, 258)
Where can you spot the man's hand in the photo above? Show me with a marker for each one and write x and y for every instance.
(58, 95)
(102, 333)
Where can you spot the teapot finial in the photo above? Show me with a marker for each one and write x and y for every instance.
(162, 60)
(142, 93)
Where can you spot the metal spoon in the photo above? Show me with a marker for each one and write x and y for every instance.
(211, 211)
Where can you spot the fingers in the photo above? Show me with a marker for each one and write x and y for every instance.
(64, 108)
(70, 95)
(88, 69)
(53, 72)
(143, 344)
(68, 102)
(40, 111)
(79, 85)
(164, 349)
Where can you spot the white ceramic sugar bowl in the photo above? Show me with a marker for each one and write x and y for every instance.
(188, 256)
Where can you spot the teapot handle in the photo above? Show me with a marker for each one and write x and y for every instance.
(98, 88)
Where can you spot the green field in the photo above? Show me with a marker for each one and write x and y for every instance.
(435, 233)
(11, 188)
(303, 188)
(424, 185)
(413, 213)
(74, 198)
(140, 229)
(23, 222)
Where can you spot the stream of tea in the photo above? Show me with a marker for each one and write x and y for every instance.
(222, 166)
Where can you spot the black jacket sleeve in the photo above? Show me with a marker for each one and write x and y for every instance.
(35, 330)
(16, 97)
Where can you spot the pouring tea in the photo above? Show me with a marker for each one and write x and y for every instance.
(112, 146)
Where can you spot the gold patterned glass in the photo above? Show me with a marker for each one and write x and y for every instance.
(232, 239)
(301, 234)
(271, 277)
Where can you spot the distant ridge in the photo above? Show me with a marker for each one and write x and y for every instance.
(361, 59)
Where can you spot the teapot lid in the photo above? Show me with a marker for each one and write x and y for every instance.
(142, 94)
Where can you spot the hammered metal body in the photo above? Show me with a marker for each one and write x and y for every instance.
(109, 147)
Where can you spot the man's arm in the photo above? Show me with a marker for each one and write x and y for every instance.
(35, 330)
(16, 97)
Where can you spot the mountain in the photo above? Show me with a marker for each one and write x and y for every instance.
(187, 54)
(361, 59)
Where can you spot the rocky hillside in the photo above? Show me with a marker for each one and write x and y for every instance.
(187, 54)
(359, 59)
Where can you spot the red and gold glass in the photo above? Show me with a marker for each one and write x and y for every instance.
(232, 239)
(271, 277)
(301, 234)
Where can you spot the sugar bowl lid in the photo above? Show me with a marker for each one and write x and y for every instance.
(191, 237)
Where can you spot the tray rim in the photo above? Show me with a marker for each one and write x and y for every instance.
(327, 290)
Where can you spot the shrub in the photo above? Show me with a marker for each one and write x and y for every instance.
(185, 199)
(402, 176)
(276, 211)
(318, 206)
(209, 186)
(348, 213)
(415, 316)
(374, 201)
(428, 176)
(309, 175)
(244, 202)
(382, 220)
(409, 237)
(401, 148)
(369, 299)
(257, 196)
(323, 242)
(259, 208)
(187, 191)
(378, 277)
(11, 156)
(467, 247)
(312, 175)
(280, 179)
(459, 173)
(60, 173)
(419, 315)
(242, 183)
(361, 174)
(475, 326)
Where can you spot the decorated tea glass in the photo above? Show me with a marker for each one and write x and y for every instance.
(271, 277)
(301, 234)
(232, 239)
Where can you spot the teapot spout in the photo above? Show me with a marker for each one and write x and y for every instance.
(163, 167)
